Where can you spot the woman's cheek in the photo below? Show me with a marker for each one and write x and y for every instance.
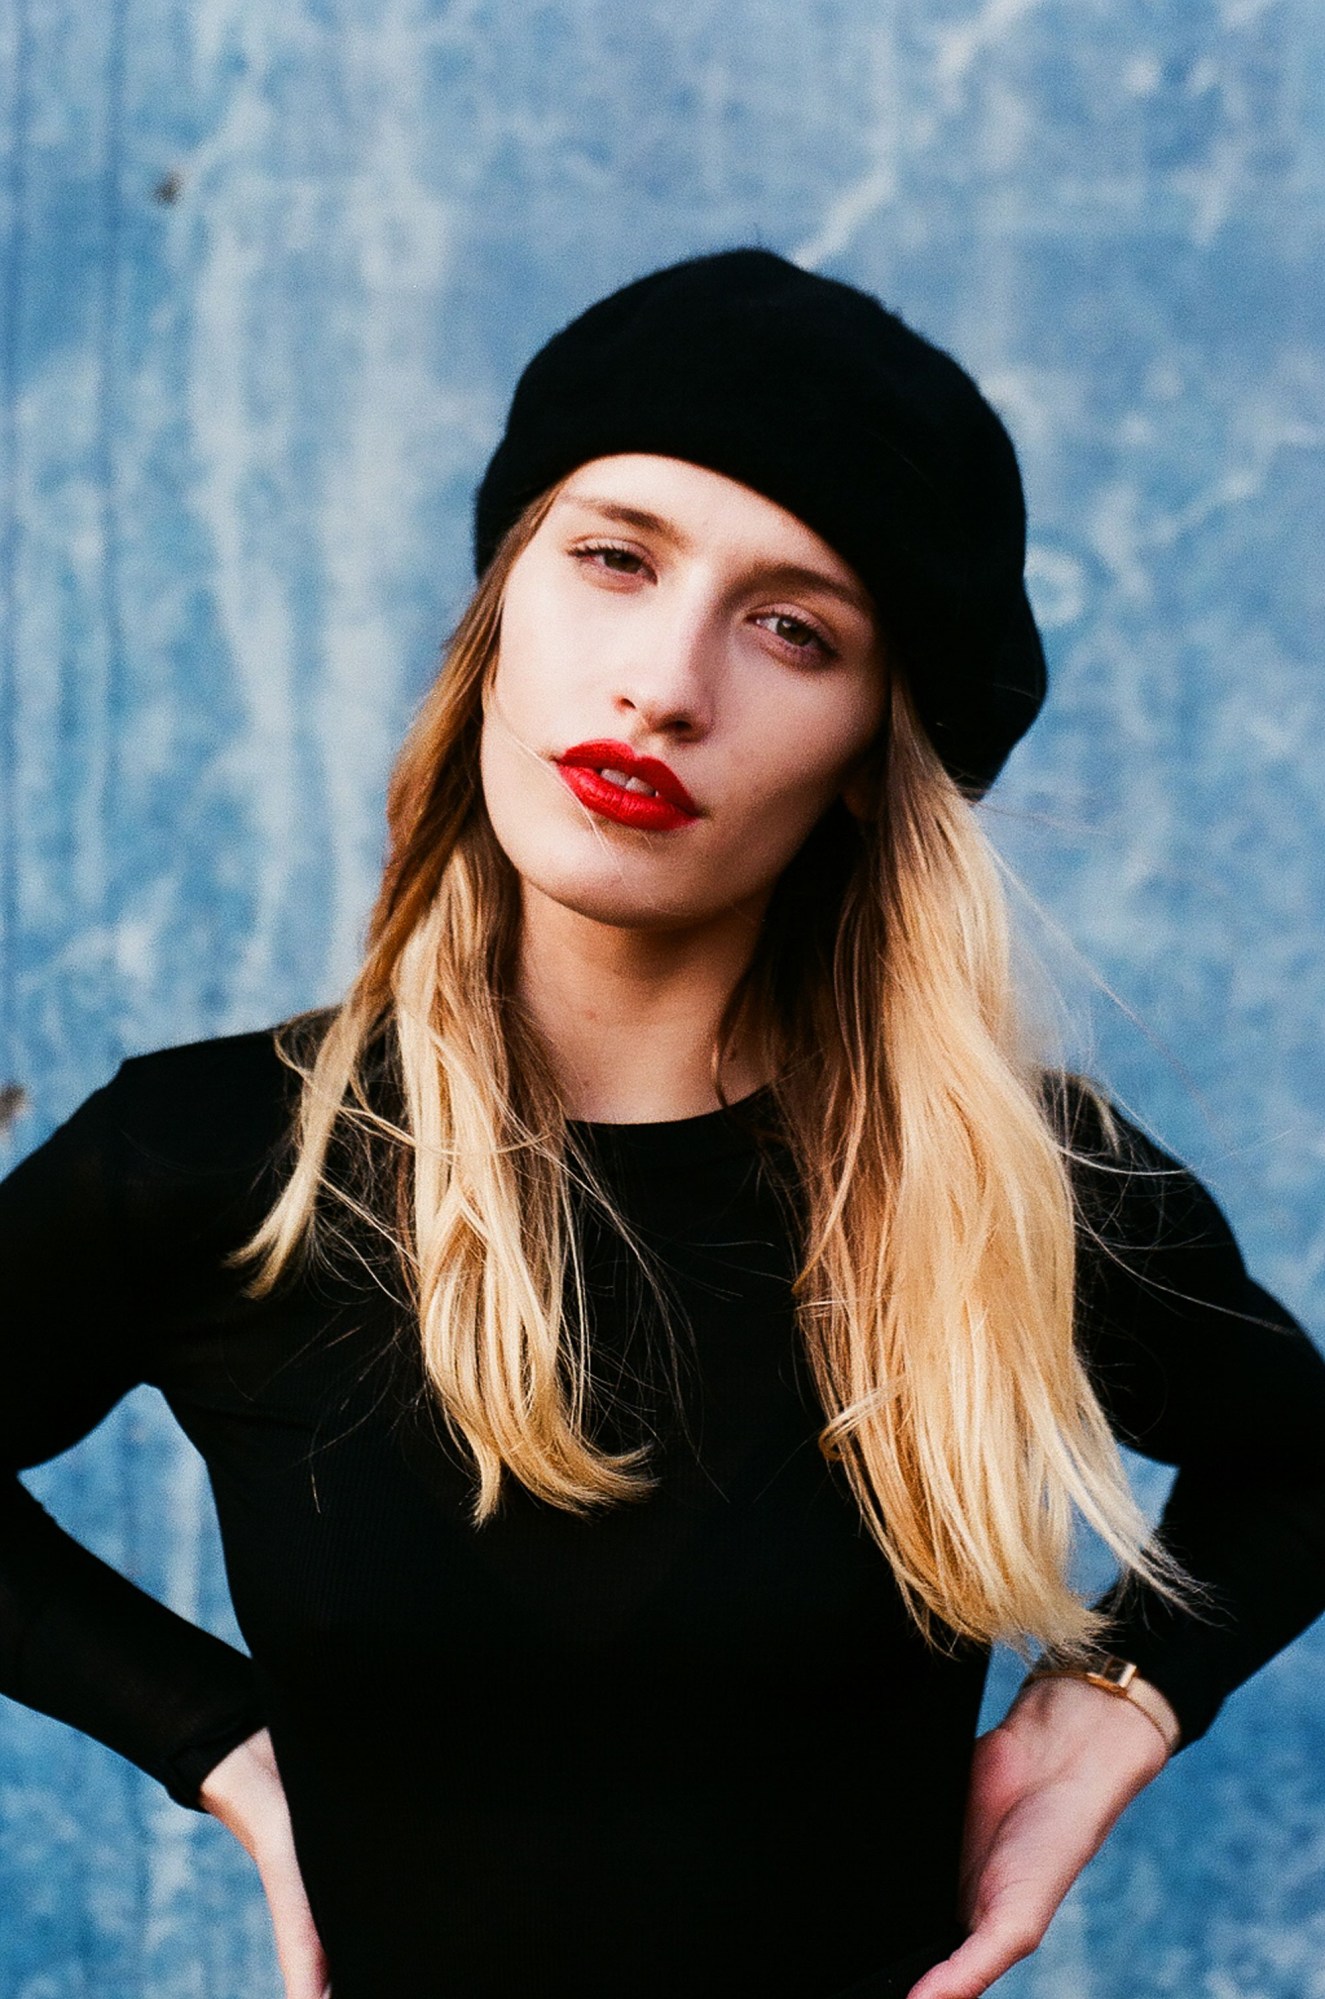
(505, 777)
(802, 785)
(759, 841)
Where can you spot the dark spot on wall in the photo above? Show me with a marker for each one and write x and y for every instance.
(13, 1103)
(169, 189)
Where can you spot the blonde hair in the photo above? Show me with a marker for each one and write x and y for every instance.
(936, 1285)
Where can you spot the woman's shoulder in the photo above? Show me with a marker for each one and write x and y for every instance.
(215, 1107)
(222, 1068)
(1157, 1249)
(1127, 1185)
(165, 1167)
(1192, 1357)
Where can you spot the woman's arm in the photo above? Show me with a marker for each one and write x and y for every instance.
(1196, 1366)
(89, 1277)
(1199, 1367)
(245, 1793)
(80, 1642)
(77, 1323)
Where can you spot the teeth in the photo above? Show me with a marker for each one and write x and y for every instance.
(628, 783)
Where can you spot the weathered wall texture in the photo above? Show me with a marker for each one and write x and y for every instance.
(268, 272)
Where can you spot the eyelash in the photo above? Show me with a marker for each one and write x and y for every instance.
(826, 651)
(591, 548)
(588, 550)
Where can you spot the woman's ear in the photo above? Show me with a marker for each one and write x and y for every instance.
(858, 796)
(863, 780)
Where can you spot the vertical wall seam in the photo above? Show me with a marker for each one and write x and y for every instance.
(115, 719)
(110, 389)
(10, 319)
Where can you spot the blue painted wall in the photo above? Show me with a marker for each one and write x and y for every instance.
(268, 273)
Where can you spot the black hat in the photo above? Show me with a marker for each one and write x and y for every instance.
(818, 397)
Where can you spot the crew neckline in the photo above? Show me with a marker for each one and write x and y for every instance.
(718, 1134)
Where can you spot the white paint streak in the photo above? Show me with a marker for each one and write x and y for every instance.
(239, 398)
(846, 216)
(958, 45)
(848, 211)
(1057, 585)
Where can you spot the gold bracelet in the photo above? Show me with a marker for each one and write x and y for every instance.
(1118, 1676)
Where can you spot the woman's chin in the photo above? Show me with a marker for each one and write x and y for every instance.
(627, 898)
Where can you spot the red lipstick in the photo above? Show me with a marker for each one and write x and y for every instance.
(669, 806)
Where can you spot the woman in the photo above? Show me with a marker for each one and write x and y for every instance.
(656, 1334)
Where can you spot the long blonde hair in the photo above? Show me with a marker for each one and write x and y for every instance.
(936, 1283)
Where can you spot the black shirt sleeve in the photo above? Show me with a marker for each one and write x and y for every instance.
(1197, 1366)
(77, 1320)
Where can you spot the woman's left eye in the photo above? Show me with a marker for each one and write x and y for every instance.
(794, 632)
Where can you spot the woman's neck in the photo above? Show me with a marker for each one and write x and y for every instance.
(628, 1017)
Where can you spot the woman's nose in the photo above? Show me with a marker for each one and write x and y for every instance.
(668, 680)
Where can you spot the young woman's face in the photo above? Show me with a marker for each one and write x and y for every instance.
(662, 611)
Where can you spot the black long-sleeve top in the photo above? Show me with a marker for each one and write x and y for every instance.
(693, 1743)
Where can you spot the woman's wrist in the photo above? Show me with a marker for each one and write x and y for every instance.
(245, 1793)
(237, 1788)
(1116, 1732)
(1120, 1680)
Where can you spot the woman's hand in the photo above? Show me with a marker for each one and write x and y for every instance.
(1047, 1786)
(245, 1792)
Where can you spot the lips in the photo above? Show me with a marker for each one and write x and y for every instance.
(665, 803)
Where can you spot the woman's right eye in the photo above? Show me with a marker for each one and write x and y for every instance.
(608, 555)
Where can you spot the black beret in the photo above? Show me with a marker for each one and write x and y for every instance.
(812, 393)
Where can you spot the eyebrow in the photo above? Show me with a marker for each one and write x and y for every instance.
(792, 575)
